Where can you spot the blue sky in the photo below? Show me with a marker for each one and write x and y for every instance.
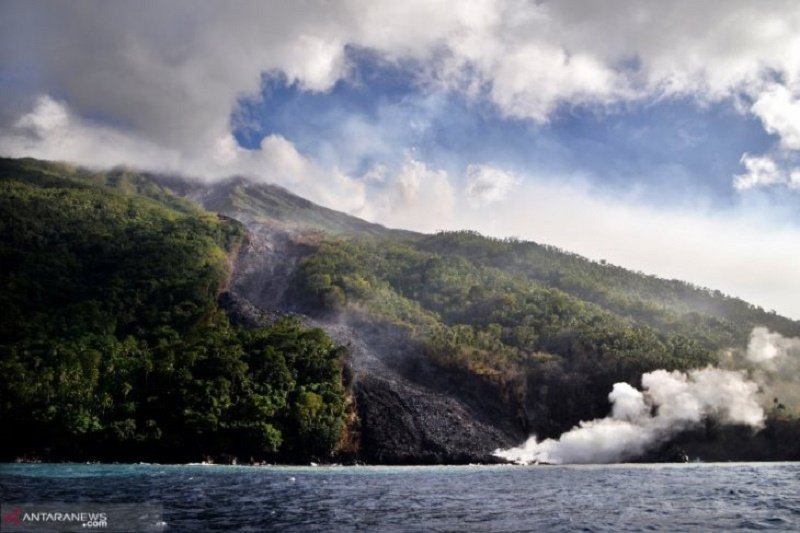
(670, 150)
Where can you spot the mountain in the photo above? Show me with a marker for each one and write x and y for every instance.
(456, 344)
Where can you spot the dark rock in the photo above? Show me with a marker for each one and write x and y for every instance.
(404, 424)
(241, 312)
(410, 411)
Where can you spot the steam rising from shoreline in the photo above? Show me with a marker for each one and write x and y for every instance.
(671, 402)
(774, 363)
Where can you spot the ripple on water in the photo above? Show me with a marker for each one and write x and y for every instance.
(591, 498)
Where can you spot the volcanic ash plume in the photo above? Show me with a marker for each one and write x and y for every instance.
(669, 403)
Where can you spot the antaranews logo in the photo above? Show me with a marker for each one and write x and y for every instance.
(54, 518)
(23, 517)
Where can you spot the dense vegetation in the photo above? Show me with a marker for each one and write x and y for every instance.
(553, 351)
(707, 315)
(112, 344)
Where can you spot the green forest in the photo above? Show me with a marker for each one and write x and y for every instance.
(550, 331)
(113, 346)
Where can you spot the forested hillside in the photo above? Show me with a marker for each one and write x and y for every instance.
(112, 344)
(550, 331)
(514, 332)
(708, 315)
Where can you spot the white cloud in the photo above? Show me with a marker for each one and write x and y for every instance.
(175, 72)
(764, 171)
(376, 174)
(761, 171)
(531, 81)
(416, 197)
(316, 63)
(47, 115)
(794, 179)
(779, 110)
(172, 75)
(487, 184)
(51, 131)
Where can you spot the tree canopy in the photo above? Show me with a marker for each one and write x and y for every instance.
(112, 344)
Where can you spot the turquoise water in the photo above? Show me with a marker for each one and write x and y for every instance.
(693, 497)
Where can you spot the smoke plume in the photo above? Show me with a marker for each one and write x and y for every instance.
(766, 375)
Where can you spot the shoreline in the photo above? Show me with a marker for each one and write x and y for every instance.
(336, 466)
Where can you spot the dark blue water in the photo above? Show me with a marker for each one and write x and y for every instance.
(586, 498)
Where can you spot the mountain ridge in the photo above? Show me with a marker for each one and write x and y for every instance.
(276, 203)
(279, 204)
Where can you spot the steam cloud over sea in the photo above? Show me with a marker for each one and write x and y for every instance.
(671, 402)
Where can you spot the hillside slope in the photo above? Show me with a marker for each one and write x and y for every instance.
(457, 344)
(113, 346)
(502, 338)
(668, 305)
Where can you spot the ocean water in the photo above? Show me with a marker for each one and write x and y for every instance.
(691, 497)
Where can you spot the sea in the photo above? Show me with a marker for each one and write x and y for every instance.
(625, 497)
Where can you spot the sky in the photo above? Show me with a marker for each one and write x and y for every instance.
(659, 136)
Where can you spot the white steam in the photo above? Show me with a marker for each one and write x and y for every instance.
(774, 362)
(772, 351)
(671, 402)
